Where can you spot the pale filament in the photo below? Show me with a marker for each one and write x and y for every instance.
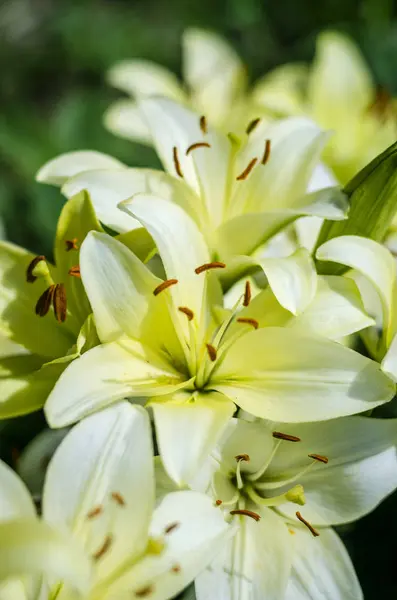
(271, 485)
(266, 465)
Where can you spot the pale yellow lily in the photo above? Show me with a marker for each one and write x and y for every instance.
(240, 193)
(100, 534)
(339, 93)
(159, 341)
(44, 312)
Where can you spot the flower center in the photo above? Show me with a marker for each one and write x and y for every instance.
(258, 489)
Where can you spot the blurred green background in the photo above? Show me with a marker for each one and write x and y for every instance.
(53, 56)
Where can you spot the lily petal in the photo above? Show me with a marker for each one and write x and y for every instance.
(28, 546)
(205, 169)
(322, 568)
(213, 71)
(145, 78)
(199, 533)
(282, 375)
(181, 246)
(123, 118)
(293, 279)
(372, 260)
(107, 188)
(58, 170)
(15, 499)
(88, 473)
(188, 428)
(256, 563)
(103, 375)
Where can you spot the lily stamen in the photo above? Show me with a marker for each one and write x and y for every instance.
(266, 154)
(95, 512)
(164, 285)
(252, 125)
(247, 294)
(145, 591)
(176, 569)
(117, 497)
(71, 244)
(230, 502)
(104, 548)
(310, 527)
(246, 513)
(285, 436)
(44, 302)
(197, 145)
(248, 321)
(186, 311)
(203, 124)
(75, 272)
(30, 275)
(319, 458)
(59, 302)
(244, 174)
(244, 457)
(177, 164)
(212, 353)
(171, 527)
(211, 265)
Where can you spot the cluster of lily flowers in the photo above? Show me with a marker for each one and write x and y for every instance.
(218, 333)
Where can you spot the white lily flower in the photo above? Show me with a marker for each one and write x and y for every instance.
(285, 490)
(158, 341)
(44, 312)
(339, 93)
(240, 193)
(215, 84)
(99, 496)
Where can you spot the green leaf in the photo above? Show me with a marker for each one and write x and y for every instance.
(372, 195)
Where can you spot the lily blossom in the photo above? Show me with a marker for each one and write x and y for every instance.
(100, 533)
(285, 486)
(159, 340)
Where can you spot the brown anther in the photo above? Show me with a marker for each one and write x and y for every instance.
(186, 311)
(59, 302)
(242, 457)
(285, 436)
(266, 153)
(176, 569)
(218, 502)
(71, 245)
(44, 302)
(104, 548)
(244, 174)
(246, 513)
(171, 527)
(30, 278)
(117, 497)
(251, 126)
(310, 527)
(207, 266)
(74, 271)
(197, 145)
(319, 457)
(203, 124)
(163, 286)
(247, 294)
(177, 164)
(248, 321)
(95, 512)
(145, 591)
(212, 353)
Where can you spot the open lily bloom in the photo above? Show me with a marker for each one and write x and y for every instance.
(159, 341)
(99, 500)
(43, 309)
(215, 84)
(241, 193)
(338, 92)
(285, 488)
